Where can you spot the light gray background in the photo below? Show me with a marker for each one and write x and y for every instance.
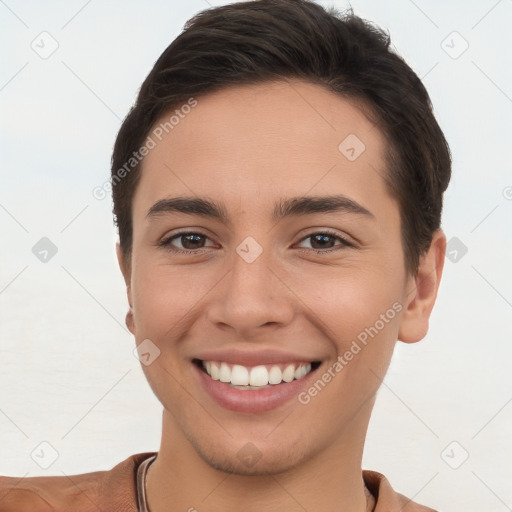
(68, 375)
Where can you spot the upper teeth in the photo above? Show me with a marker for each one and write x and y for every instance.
(239, 375)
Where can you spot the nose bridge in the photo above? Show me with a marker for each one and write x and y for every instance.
(251, 295)
(250, 269)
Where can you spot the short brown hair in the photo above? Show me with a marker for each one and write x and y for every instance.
(264, 40)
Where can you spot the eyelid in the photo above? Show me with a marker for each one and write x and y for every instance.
(165, 242)
(345, 241)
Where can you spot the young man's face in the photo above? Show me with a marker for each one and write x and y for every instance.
(257, 290)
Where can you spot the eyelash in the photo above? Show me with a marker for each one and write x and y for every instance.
(166, 242)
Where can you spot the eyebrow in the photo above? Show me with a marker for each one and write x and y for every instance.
(289, 207)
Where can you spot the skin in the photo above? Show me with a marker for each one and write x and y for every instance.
(247, 147)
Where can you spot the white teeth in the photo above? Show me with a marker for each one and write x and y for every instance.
(214, 371)
(288, 373)
(275, 375)
(224, 373)
(257, 376)
(239, 375)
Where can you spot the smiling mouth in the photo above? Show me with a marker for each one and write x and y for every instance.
(255, 377)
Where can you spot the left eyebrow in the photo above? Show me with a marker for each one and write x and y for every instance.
(309, 205)
(289, 207)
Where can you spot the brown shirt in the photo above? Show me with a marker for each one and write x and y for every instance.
(121, 490)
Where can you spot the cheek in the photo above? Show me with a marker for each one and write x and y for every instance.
(164, 296)
(351, 304)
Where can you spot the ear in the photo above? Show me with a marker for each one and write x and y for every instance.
(421, 291)
(126, 271)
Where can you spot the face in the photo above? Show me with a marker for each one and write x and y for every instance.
(252, 269)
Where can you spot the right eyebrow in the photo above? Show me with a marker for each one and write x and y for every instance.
(190, 206)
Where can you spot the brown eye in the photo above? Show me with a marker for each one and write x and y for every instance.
(325, 241)
(190, 242)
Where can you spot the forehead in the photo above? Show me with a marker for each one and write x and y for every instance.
(252, 141)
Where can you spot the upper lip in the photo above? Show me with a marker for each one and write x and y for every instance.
(254, 357)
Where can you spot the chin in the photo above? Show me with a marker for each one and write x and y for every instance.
(251, 461)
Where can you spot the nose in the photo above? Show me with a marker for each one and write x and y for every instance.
(251, 296)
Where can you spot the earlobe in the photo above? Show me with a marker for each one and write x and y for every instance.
(421, 293)
(129, 321)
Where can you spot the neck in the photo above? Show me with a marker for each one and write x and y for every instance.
(329, 480)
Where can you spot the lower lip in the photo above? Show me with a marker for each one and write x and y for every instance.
(251, 401)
